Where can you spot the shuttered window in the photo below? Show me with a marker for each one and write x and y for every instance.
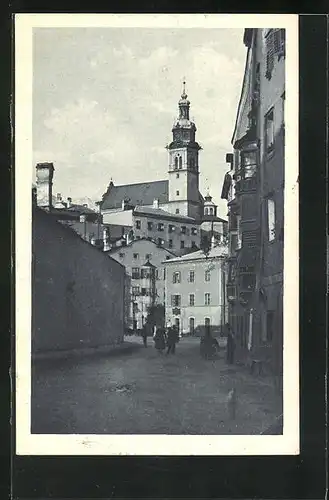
(275, 42)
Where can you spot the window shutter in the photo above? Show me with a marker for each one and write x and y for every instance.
(269, 55)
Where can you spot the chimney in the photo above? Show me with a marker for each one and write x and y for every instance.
(106, 245)
(69, 202)
(155, 203)
(45, 174)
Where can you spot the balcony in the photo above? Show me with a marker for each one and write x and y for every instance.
(248, 184)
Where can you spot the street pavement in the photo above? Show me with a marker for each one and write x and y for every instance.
(138, 391)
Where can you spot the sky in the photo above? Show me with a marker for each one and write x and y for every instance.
(105, 99)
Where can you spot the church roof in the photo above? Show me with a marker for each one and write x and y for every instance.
(142, 193)
(163, 214)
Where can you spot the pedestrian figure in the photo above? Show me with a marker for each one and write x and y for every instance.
(144, 335)
(208, 346)
(232, 404)
(160, 340)
(230, 345)
(172, 339)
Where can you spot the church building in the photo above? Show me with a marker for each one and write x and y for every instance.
(170, 211)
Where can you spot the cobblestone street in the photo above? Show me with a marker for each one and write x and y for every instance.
(138, 391)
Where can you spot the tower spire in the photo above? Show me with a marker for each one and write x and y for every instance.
(184, 95)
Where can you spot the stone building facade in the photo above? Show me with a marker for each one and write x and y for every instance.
(254, 189)
(143, 262)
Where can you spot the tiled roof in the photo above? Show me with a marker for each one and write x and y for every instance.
(217, 251)
(163, 214)
(135, 194)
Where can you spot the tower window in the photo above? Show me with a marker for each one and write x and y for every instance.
(177, 193)
(206, 211)
(176, 163)
(180, 162)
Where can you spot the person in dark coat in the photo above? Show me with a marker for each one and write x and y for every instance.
(208, 346)
(160, 340)
(230, 345)
(144, 335)
(172, 339)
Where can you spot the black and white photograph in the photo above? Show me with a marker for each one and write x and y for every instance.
(157, 234)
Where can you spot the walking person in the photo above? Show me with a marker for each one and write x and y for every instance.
(144, 335)
(160, 340)
(172, 339)
(230, 344)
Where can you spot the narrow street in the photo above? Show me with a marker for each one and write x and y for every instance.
(138, 391)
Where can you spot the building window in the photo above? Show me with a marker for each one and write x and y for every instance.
(177, 210)
(167, 257)
(171, 228)
(207, 299)
(275, 41)
(138, 224)
(206, 211)
(136, 256)
(183, 230)
(146, 292)
(239, 232)
(160, 242)
(191, 299)
(177, 176)
(150, 226)
(182, 244)
(121, 255)
(170, 244)
(193, 244)
(271, 219)
(160, 226)
(177, 193)
(176, 277)
(192, 325)
(269, 326)
(180, 162)
(249, 163)
(138, 237)
(175, 300)
(207, 275)
(135, 290)
(191, 277)
(135, 274)
(194, 231)
(269, 131)
(157, 275)
(148, 256)
(176, 163)
(145, 274)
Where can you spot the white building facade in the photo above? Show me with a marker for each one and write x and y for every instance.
(195, 291)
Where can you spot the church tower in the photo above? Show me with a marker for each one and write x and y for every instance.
(184, 196)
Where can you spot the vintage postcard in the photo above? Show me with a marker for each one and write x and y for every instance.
(156, 204)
